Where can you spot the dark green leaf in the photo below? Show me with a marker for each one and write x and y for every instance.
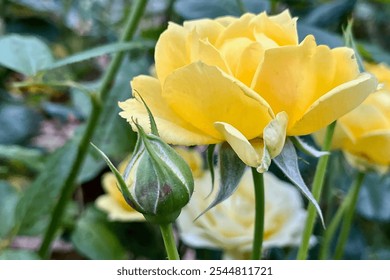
(322, 36)
(287, 162)
(40, 198)
(193, 9)
(210, 163)
(32, 158)
(93, 238)
(231, 169)
(18, 254)
(24, 54)
(17, 123)
(9, 198)
(329, 14)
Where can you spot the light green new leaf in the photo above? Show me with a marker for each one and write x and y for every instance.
(24, 54)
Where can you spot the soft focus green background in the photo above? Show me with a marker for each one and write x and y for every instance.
(41, 126)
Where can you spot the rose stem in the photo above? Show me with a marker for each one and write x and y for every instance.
(169, 241)
(348, 216)
(318, 183)
(69, 184)
(258, 181)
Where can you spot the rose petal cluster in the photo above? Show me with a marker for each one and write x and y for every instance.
(364, 133)
(244, 80)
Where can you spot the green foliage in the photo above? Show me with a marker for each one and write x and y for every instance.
(26, 55)
(9, 198)
(94, 239)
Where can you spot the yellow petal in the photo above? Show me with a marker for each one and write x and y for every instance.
(251, 153)
(280, 28)
(203, 50)
(257, 152)
(292, 78)
(172, 50)
(205, 28)
(203, 95)
(226, 20)
(365, 118)
(375, 147)
(236, 29)
(171, 128)
(275, 134)
(334, 104)
(243, 57)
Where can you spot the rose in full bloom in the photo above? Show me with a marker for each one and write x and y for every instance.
(113, 202)
(229, 226)
(364, 133)
(247, 81)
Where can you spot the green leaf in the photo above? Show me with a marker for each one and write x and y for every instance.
(93, 238)
(18, 254)
(32, 158)
(39, 199)
(231, 169)
(329, 14)
(306, 148)
(101, 50)
(287, 162)
(24, 54)
(9, 198)
(322, 36)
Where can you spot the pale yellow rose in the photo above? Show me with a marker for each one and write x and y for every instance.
(247, 81)
(364, 133)
(229, 226)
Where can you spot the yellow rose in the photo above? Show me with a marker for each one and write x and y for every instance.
(229, 225)
(247, 81)
(364, 133)
(113, 202)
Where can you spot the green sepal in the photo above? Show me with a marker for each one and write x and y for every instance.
(210, 163)
(287, 161)
(231, 170)
(350, 42)
(306, 148)
(120, 181)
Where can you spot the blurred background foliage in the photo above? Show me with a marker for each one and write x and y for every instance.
(41, 124)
